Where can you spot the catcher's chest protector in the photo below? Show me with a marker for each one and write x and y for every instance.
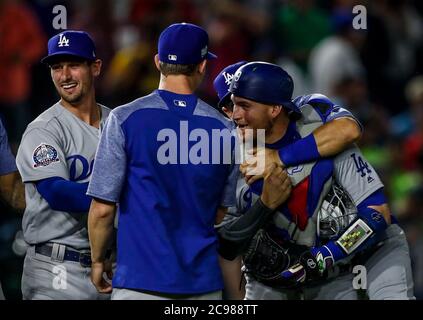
(296, 219)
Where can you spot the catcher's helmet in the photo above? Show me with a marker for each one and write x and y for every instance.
(266, 83)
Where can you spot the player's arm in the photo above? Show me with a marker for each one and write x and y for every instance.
(231, 269)
(335, 136)
(232, 277)
(6, 186)
(236, 232)
(234, 236)
(361, 234)
(64, 195)
(41, 162)
(105, 188)
(339, 131)
(11, 187)
(100, 231)
(365, 189)
(12, 190)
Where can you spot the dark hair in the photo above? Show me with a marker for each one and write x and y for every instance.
(175, 69)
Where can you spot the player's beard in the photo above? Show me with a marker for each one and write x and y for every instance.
(72, 98)
(250, 134)
(77, 96)
(269, 127)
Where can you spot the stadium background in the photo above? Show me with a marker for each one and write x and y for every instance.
(376, 73)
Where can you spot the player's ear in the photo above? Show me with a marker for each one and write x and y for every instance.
(276, 111)
(157, 61)
(96, 67)
(228, 112)
(202, 67)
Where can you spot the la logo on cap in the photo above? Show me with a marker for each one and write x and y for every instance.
(228, 78)
(63, 41)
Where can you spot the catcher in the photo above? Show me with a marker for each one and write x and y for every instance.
(335, 218)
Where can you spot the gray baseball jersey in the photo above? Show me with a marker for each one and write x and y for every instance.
(56, 144)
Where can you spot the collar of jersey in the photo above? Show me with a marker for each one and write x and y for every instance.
(170, 97)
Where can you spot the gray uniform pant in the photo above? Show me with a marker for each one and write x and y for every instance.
(45, 279)
(388, 273)
(126, 294)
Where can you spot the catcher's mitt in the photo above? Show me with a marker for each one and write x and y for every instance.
(265, 260)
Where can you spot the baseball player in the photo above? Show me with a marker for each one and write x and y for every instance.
(11, 189)
(328, 140)
(55, 159)
(336, 217)
(326, 147)
(168, 202)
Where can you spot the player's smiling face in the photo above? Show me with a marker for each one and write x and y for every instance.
(249, 114)
(73, 78)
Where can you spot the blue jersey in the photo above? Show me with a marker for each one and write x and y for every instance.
(147, 161)
(7, 161)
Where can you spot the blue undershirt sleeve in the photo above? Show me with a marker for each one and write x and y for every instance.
(64, 195)
(301, 151)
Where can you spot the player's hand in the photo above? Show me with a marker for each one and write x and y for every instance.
(97, 278)
(108, 269)
(259, 164)
(294, 276)
(276, 188)
(305, 270)
(312, 265)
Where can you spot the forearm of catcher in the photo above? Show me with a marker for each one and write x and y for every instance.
(234, 237)
(100, 228)
(373, 218)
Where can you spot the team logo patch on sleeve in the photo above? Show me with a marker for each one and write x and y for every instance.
(44, 155)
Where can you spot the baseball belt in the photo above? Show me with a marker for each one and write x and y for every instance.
(84, 258)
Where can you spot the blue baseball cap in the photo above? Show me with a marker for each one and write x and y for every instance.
(184, 43)
(223, 81)
(71, 43)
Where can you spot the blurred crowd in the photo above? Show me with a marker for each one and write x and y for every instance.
(376, 72)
